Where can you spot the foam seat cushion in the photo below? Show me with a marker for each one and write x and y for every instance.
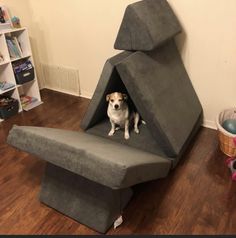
(97, 159)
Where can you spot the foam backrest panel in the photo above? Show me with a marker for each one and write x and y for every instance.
(152, 73)
(161, 90)
(146, 25)
(163, 94)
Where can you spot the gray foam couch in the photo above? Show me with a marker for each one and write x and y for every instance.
(89, 175)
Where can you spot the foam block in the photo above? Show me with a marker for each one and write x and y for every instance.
(164, 95)
(146, 25)
(102, 161)
(89, 203)
(159, 87)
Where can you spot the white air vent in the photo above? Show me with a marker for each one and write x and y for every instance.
(61, 79)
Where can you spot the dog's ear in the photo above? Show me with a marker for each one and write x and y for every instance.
(125, 97)
(108, 97)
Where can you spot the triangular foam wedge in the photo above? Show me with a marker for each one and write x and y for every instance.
(159, 86)
(146, 25)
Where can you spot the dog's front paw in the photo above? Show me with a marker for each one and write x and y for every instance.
(111, 133)
(126, 136)
(136, 131)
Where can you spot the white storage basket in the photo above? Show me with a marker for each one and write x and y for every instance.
(227, 144)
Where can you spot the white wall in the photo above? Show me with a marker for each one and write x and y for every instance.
(78, 34)
(81, 33)
(209, 51)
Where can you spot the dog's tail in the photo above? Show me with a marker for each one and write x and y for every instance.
(143, 122)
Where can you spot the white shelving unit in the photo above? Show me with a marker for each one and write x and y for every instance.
(6, 68)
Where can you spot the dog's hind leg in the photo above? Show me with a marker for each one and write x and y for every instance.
(136, 121)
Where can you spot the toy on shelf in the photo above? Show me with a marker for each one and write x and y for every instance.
(5, 20)
(2, 16)
(231, 162)
(16, 22)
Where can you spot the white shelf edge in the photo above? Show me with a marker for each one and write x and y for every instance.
(6, 23)
(7, 90)
(5, 31)
(22, 85)
(4, 62)
(32, 105)
(23, 57)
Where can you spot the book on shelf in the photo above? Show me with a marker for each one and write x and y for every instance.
(17, 46)
(14, 47)
(12, 50)
(5, 86)
(27, 100)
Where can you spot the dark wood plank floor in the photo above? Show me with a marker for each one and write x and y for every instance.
(198, 197)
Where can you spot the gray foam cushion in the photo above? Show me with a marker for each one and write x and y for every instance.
(136, 140)
(97, 159)
(89, 203)
(146, 25)
(163, 94)
(161, 90)
(98, 106)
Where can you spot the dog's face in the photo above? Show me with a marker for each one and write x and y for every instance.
(116, 100)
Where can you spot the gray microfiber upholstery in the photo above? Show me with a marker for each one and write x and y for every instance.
(97, 159)
(159, 87)
(163, 94)
(136, 140)
(90, 203)
(98, 107)
(89, 175)
(146, 25)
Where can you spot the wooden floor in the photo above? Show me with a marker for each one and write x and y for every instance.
(198, 197)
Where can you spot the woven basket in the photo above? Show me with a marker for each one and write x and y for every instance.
(227, 144)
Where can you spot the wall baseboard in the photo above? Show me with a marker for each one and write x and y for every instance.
(210, 124)
(61, 91)
(86, 95)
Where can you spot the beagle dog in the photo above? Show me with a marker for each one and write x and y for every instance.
(120, 115)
